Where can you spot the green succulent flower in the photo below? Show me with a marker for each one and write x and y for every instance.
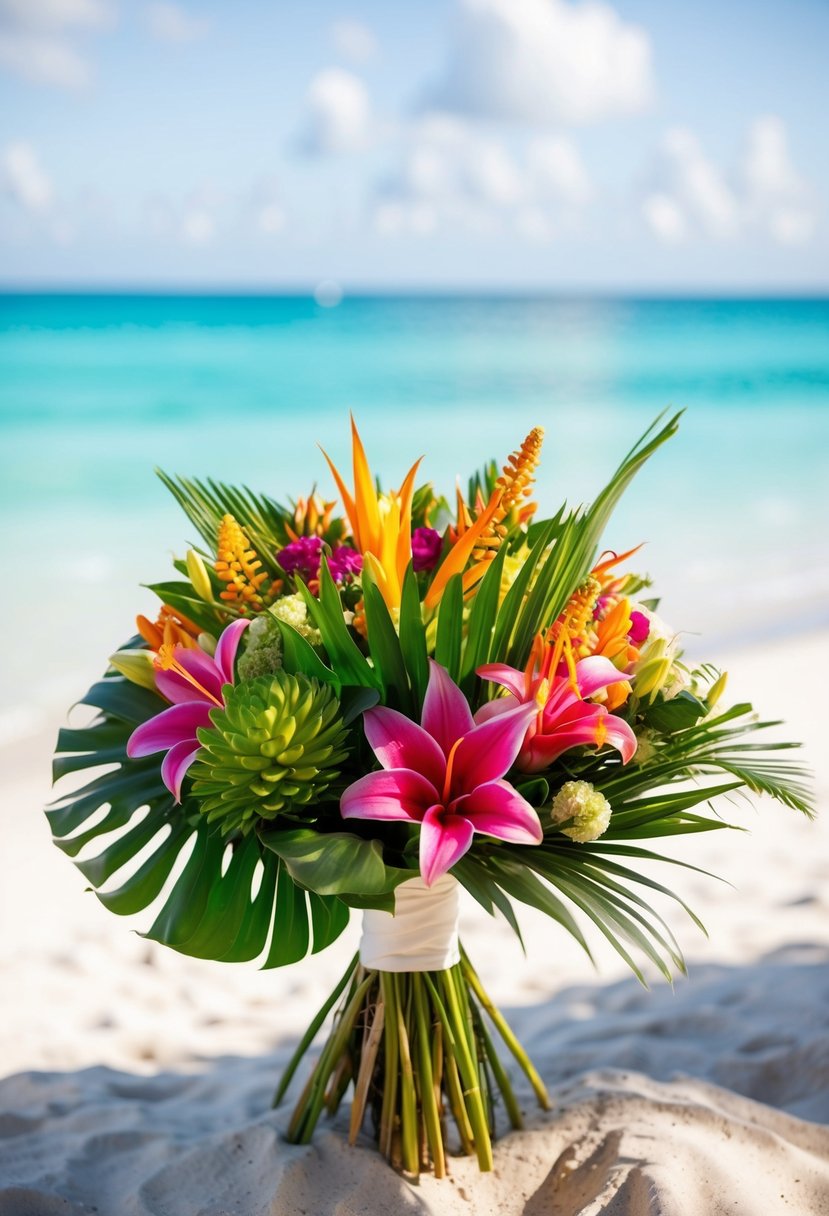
(273, 750)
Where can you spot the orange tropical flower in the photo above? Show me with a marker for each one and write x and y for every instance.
(381, 524)
(171, 628)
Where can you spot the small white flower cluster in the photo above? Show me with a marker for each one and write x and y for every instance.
(293, 610)
(583, 808)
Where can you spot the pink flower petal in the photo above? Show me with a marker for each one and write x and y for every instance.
(397, 742)
(176, 689)
(226, 649)
(595, 673)
(489, 750)
(446, 713)
(390, 794)
(175, 764)
(178, 724)
(508, 677)
(491, 709)
(444, 838)
(206, 683)
(499, 810)
(585, 731)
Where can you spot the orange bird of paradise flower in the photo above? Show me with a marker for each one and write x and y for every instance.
(381, 524)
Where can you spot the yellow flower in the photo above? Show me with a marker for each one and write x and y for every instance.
(381, 524)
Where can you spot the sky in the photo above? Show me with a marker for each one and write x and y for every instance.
(452, 144)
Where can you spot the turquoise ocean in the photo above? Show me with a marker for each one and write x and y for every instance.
(96, 390)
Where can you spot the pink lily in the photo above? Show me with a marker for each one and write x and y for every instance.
(193, 681)
(566, 717)
(445, 774)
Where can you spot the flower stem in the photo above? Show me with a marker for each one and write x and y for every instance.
(506, 1033)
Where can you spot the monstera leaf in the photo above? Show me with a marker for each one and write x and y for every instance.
(237, 909)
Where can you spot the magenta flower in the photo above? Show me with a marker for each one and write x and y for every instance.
(640, 627)
(446, 774)
(344, 562)
(193, 681)
(304, 556)
(426, 547)
(566, 718)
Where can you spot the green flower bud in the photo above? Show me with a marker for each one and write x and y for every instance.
(273, 750)
(197, 573)
(583, 809)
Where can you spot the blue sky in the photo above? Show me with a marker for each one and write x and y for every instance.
(503, 144)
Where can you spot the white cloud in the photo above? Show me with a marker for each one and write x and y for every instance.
(353, 40)
(690, 195)
(198, 227)
(778, 198)
(337, 114)
(453, 173)
(665, 218)
(36, 38)
(170, 23)
(558, 172)
(545, 62)
(25, 178)
(697, 189)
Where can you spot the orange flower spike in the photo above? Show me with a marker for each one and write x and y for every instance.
(518, 474)
(238, 566)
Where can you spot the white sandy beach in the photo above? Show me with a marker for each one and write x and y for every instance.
(138, 1082)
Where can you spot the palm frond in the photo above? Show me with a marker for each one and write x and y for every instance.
(206, 502)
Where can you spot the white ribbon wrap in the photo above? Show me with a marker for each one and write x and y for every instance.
(422, 935)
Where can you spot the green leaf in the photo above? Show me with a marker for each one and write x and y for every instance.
(679, 713)
(206, 502)
(183, 598)
(300, 658)
(482, 617)
(211, 910)
(413, 638)
(335, 863)
(326, 612)
(385, 648)
(450, 627)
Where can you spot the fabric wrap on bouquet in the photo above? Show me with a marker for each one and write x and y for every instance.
(422, 935)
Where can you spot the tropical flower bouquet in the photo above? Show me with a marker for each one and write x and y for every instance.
(373, 708)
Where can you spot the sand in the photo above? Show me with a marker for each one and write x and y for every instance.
(137, 1081)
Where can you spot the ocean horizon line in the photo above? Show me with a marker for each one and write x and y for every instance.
(513, 292)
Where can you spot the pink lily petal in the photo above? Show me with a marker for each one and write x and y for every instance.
(176, 763)
(508, 677)
(499, 810)
(178, 724)
(446, 713)
(391, 794)
(444, 838)
(397, 742)
(488, 750)
(542, 750)
(227, 647)
(176, 689)
(595, 673)
(491, 709)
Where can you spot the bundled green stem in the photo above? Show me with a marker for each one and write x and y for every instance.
(421, 1055)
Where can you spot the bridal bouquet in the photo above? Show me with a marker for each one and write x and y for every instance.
(372, 705)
